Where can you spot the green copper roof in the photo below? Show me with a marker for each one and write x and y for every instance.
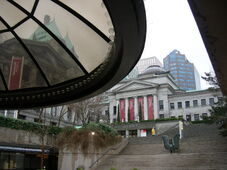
(41, 35)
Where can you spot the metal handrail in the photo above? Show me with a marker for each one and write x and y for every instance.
(113, 148)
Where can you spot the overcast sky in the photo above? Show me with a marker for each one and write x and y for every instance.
(170, 25)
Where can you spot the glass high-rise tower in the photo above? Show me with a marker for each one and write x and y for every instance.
(185, 74)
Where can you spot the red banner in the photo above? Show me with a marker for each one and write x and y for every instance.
(131, 108)
(141, 106)
(122, 110)
(15, 75)
(150, 108)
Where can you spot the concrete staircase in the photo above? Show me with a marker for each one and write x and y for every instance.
(201, 149)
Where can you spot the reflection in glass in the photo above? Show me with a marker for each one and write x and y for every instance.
(2, 26)
(55, 62)
(12, 17)
(26, 4)
(18, 69)
(90, 47)
(94, 11)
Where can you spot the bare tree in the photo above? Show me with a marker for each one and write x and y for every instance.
(87, 110)
(41, 113)
(63, 111)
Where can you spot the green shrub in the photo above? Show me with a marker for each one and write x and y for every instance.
(100, 127)
(27, 126)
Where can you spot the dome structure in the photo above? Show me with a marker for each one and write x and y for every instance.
(55, 52)
(154, 69)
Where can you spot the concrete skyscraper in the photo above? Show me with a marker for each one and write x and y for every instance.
(185, 74)
(144, 63)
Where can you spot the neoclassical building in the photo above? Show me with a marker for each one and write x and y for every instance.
(155, 95)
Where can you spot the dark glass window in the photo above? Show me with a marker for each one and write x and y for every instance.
(37, 120)
(171, 105)
(187, 104)
(196, 117)
(195, 103)
(53, 123)
(22, 117)
(203, 102)
(179, 104)
(161, 116)
(188, 117)
(211, 101)
(204, 115)
(107, 112)
(161, 105)
(180, 117)
(115, 110)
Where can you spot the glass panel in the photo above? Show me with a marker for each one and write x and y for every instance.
(18, 69)
(26, 4)
(2, 87)
(12, 17)
(76, 35)
(95, 12)
(55, 62)
(2, 26)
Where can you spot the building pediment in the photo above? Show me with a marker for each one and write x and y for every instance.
(135, 85)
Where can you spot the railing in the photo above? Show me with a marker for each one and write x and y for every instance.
(105, 153)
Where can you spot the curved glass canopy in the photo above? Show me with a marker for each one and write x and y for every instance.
(55, 51)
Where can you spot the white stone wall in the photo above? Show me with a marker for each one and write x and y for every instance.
(162, 88)
(190, 96)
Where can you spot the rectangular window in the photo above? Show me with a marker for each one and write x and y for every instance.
(203, 102)
(22, 117)
(161, 116)
(179, 105)
(171, 105)
(195, 103)
(187, 104)
(37, 120)
(180, 117)
(161, 105)
(211, 101)
(188, 118)
(107, 112)
(196, 117)
(53, 123)
(204, 115)
(115, 110)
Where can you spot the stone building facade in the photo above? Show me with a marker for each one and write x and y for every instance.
(156, 95)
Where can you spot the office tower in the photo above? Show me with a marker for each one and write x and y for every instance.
(185, 74)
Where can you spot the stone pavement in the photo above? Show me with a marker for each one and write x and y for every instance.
(202, 148)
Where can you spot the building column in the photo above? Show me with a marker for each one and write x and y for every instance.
(136, 117)
(5, 113)
(111, 104)
(118, 109)
(127, 133)
(138, 133)
(126, 109)
(155, 106)
(145, 108)
(15, 114)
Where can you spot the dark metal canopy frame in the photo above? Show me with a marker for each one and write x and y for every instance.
(129, 22)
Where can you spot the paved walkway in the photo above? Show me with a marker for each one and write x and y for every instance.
(201, 149)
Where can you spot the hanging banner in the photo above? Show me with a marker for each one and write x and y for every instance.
(16, 70)
(131, 108)
(150, 108)
(122, 110)
(141, 107)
